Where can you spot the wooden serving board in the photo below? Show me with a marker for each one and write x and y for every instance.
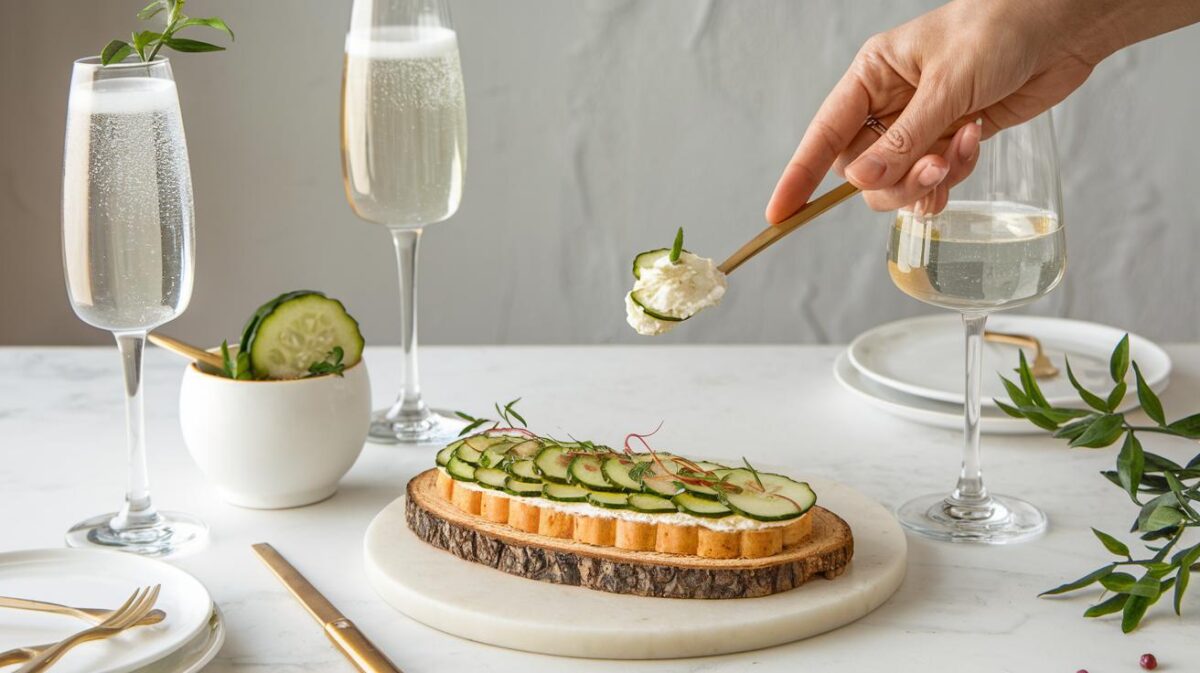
(478, 602)
(824, 553)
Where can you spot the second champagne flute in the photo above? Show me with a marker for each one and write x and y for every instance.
(404, 151)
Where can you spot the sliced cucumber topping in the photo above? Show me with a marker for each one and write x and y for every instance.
(553, 463)
(491, 477)
(777, 498)
(639, 298)
(609, 500)
(524, 470)
(526, 449)
(468, 454)
(647, 259)
(651, 504)
(522, 488)
(291, 332)
(565, 492)
(697, 506)
(588, 471)
(460, 470)
(443, 456)
(616, 470)
(482, 443)
(493, 457)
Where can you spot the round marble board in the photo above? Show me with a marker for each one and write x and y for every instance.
(486, 605)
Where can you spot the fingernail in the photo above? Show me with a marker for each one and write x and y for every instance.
(867, 168)
(968, 145)
(932, 175)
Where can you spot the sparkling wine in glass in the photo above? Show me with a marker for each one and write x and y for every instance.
(128, 251)
(404, 152)
(998, 244)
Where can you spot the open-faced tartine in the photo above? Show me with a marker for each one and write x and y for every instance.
(651, 501)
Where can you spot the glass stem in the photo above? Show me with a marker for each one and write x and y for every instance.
(970, 498)
(409, 405)
(138, 511)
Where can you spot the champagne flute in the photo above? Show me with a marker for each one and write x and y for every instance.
(404, 148)
(128, 252)
(998, 244)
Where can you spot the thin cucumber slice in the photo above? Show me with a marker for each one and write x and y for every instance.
(443, 456)
(616, 470)
(697, 506)
(701, 490)
(778, 498)
(588, 471)
(609, 500)
(524, 470)
(553, 463)
(493, 457)
(521, 488)
(491, 477)
(526, 449)
(647, 259)
(467, 454)
(299, 331)
(482, 443)
(639, 298)
(663, 485)
(565, 492)
(651, 504)
(462, 471)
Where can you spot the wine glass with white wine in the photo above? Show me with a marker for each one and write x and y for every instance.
(998, 244)
(404, 152)
(128, 252)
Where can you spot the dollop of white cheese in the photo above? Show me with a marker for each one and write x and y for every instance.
(682, 288)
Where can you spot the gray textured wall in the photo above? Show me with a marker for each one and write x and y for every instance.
(596, 127)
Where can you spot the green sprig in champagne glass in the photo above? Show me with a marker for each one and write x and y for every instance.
(404, 147)
(997, 245)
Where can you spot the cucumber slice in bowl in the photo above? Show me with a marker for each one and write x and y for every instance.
(767, 497)
(297, 329)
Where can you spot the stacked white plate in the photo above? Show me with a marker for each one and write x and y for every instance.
(914, 368)
(184, 642)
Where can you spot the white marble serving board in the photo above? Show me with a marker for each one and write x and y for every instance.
(486, 605)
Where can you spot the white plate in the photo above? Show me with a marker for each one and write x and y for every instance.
(924, 357)
(474, 601)
(194, 656)
(93, 578)
(992, 421)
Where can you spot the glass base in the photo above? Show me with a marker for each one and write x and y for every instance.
(1001, 520)
(434, 426)
(172, 533)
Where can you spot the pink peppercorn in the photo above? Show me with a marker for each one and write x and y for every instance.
(1148, 662)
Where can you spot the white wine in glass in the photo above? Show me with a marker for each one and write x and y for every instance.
(128, 252)
(404, 152)
(998, 244)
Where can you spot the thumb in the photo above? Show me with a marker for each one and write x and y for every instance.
(923, 121)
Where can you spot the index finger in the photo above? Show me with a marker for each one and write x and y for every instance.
(831, 131)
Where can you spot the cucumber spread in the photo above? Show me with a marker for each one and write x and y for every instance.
(671, 285)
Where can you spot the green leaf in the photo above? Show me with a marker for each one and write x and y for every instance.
(1055, 415)
(1073, 430)
(1146, 397)
(1147, 587)
(211, 22)
(1118, 582)
(1118, 364)
(472, 426)
(1164, 500)
(1011, 411)
(1187, 427)
(1134, 610)
(1158, 463)
(1093, 400)
(143, 39)
(151, 10)
(677, 246)
(1107, 607)
(1102, 432)
(1184, 574)
(1030, 384)
(1130, 463)
(1015, 393)
(1112, 544)
(185, 45)
(115, 51)
(1116, 396)
(1086, 580)
(1162, 518)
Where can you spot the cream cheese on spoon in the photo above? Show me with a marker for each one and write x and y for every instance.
(671, 287)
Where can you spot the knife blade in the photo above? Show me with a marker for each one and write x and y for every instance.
(341, 631)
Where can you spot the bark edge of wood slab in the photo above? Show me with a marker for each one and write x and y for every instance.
(825, 553)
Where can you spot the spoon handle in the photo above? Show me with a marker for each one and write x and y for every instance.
(777, 231)
(187, 350)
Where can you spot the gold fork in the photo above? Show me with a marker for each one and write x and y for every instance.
(93, 615)
(128, 615)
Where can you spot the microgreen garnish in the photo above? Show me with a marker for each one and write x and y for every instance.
(754, 472)
(332, 364)
(147, 43)
(637, 472)
(235, 368)
(677, 246)
(1175, 488)
(507, 413)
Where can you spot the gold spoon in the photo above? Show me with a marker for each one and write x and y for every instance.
(1041, 368)
(188, 351)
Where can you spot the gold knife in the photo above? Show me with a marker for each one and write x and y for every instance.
(344, 634)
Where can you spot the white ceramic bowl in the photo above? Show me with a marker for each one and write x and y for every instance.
(275, 444)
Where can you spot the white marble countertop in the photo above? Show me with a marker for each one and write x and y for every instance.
(960, 608)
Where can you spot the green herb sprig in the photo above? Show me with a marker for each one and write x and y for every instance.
(332, 364)
(1167, 494)
(508, 414)
(147, 43)
(236, 368)
(677, 247)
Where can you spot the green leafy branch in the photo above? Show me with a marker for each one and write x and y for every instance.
(1167, 494)
(147, 43)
